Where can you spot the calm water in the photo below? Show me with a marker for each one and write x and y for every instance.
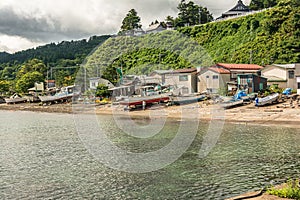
(42, 157)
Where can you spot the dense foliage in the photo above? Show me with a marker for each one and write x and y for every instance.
(272, 36)
(191, 14)
(142, 55)
(261, 4)
(291, 190)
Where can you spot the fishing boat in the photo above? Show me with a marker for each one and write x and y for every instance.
(232, 103)
(146, 100)
(66, 94)
(15, 98)
(270, 99)
(180, 100)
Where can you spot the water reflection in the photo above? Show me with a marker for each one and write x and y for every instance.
(43, 157)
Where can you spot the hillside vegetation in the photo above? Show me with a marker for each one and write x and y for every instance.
(272, 36)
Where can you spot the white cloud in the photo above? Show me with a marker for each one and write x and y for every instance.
(12, 44)
(36, 21)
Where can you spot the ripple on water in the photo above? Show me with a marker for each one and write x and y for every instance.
(42, 157)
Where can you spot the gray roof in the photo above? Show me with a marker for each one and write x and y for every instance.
(286, 66)
(162, 71)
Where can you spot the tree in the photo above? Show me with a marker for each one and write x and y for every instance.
(34, 65)
(28, 80)
(4, 86)
(191, 14)
(261, 4)
(102, 91)
(131, 21)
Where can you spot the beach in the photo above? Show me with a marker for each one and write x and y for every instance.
(274, 115)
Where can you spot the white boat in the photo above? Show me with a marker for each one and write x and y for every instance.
(66, 94)
(270, 99)
(231, 103)
(15, 99)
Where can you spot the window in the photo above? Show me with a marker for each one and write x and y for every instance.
(215, 77)
(291, 74)
(298, 85)
(207, 76)
(183, 78)
(93, 84)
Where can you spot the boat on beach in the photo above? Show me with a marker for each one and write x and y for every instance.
(232, 103)
(136, 101)
(66, 94)
(180, 100)
(15, 98)
(270, 99)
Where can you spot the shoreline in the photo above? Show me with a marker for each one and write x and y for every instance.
(274, 115)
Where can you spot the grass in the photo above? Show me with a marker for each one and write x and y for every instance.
(289, 190)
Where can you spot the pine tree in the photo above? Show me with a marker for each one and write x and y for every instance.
(130, 22)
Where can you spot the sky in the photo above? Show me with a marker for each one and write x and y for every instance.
(31, 23)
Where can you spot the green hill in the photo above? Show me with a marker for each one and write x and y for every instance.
(272, 36)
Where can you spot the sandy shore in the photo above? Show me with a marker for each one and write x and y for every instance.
(278, 115)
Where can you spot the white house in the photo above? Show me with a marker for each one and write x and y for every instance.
(282, 75)
(184, 79)
(94, 82)
(212, 79)
(156, 28)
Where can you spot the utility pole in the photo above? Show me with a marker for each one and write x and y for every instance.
(199, 9)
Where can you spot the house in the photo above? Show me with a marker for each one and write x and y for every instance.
(183, 79)
(285, 76)
(236, 69)
(251, 83)
(212, 79)
(160, 75)
(156, 27)
(134, 32)
(94, 82)
(224, 76)
(239, 9)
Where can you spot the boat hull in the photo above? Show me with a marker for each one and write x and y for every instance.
(266, 100)
(15, 100)
(135, 101)
(187, 100)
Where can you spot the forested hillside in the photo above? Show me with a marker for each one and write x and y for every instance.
(272, 36)
(66, 53)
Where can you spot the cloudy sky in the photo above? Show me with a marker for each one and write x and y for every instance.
(30, 23)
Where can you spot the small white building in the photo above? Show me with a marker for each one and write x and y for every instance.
(212, 79)
(183, 79)
(156, 28)
(94, 82)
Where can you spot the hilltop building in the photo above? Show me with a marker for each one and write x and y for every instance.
(239, 9)
(156, 27)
